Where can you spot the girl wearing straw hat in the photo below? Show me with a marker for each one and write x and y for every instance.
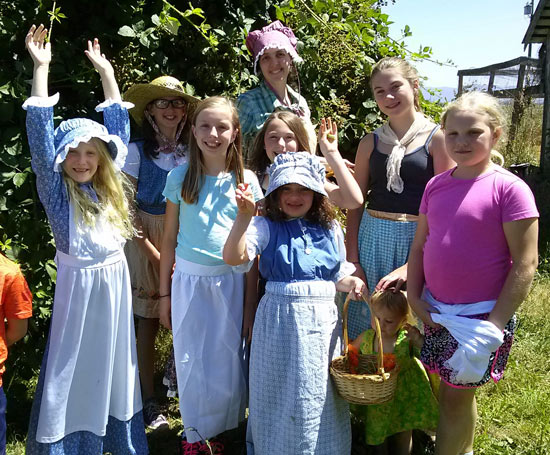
(161, 110)
(273, 49)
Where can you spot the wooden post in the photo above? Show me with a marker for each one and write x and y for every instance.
(491, 82)
(460, 86)
(518, 109)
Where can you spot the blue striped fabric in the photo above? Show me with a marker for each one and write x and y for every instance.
(384, 245)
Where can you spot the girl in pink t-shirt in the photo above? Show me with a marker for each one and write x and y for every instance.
(471, 264)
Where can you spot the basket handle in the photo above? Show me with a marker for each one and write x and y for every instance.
(380, 355)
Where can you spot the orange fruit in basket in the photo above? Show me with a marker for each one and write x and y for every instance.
(389, 362)
(353, 358)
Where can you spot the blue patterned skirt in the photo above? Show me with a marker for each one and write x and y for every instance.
(294, 407)
(121, 438)
(384, 245)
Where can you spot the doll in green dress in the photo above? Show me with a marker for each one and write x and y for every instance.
(389, 426)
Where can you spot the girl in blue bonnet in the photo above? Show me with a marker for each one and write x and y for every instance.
(294, 407)
(88, 398)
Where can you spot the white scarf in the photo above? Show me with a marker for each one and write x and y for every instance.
(477, 339)
(385, 134)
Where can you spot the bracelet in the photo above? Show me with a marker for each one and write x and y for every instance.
(166, 295)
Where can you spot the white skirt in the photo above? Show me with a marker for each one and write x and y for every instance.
(207, 314)
(91, 369)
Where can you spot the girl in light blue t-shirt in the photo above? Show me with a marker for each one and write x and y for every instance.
(203, 301)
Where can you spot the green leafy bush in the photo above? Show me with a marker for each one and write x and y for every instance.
(201, 43)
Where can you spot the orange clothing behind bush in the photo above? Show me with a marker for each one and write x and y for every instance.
(15, 302)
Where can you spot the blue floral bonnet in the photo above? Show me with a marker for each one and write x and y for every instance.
(302, 168)
(72, 132)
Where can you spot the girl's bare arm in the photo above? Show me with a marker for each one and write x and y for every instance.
(522, 238)
(167, 260)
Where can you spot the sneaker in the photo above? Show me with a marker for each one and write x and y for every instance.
(216, 448)
(152, 416)
(188, 448)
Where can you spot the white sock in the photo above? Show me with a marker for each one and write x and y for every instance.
(468, 453)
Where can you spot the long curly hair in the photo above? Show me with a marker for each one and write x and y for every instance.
(322, 211)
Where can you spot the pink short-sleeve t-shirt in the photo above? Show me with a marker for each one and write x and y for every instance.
(466, 256)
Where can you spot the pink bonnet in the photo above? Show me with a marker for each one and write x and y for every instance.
(272, 36)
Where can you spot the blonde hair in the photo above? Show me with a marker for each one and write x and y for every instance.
(258, 156)
(113, 191)
(483, 104)
(404, 68)
(396, 302)
(196, 171)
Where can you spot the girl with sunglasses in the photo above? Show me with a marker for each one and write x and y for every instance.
(160, 110)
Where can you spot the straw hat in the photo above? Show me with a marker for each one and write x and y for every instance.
(142, 94)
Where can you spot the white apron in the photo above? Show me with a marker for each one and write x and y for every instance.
(91, 368)
(207, 314)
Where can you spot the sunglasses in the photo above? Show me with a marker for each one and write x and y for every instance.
(161, 103)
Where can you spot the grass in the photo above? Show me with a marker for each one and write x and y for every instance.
(514, 415)
(525, 146)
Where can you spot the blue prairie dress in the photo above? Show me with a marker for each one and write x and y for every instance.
(88, 398)
(294, 407)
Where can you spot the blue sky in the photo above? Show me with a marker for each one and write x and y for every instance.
(472, 33)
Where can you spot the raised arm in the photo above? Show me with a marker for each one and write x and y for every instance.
(234, 250)
(105, 70)
(347, 194)
(41, 55)
(40, 127)
(115, 115)
(522, 238)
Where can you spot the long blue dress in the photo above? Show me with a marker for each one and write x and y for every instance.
(294, 407)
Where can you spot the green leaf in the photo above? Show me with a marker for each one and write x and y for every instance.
(14, 148)
(143, 39)
(19, 179)
(127, 31)
(172, 25)
(51, 270)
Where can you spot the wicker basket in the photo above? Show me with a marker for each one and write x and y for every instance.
(363, 388)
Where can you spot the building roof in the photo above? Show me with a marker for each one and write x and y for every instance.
(539, 27)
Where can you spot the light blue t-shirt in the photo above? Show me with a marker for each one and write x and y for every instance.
(204, 226)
